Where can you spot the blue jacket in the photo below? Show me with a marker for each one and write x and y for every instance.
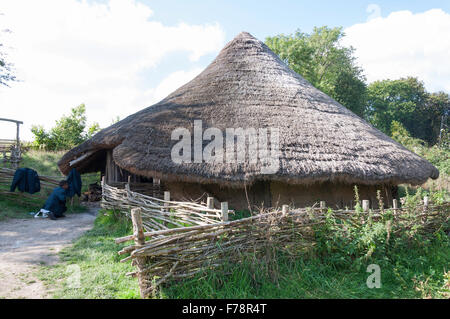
(56, 202)
(26, 180)
(74, 180)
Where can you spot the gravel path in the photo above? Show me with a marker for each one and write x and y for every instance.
(25, 244)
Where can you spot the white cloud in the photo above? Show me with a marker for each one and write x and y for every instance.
(69, 52)
(405, 44)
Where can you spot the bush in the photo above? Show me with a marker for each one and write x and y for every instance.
(68, 132)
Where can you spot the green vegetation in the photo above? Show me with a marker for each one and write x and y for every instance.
(323, 62)
(69, 131)
(414, 263)
(20, 205)
(102, 275)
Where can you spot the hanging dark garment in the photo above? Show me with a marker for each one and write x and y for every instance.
(74, 180)
(26, 180)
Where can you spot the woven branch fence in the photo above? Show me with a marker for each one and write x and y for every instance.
(7, 175)
(161, 253)
(160, 214)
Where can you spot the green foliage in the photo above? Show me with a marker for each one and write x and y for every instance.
(68, 132)
(325, 63)
(438, 155)
(406, 101)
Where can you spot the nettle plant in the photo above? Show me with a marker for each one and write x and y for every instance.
(357, 239)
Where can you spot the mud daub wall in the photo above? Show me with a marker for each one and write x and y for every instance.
(272, 194)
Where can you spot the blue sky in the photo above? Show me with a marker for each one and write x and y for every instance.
(268, 18)
(119, 56)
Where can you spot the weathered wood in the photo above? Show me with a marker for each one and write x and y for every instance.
(79, 159)
(184, 252)
(224, 208)
(166, 198)
(395, 204)
(139, 239)
(285, 209)
(9, 120)
(323, 206)
(365, 205)
(210, 202)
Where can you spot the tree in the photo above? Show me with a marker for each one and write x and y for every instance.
(68, 132)
(406, 101)
(320, 59)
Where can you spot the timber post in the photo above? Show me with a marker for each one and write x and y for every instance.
(210, 202)
(139, 240)
(224, 208)
(323, 207)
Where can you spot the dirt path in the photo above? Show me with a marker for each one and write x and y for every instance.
(25, 244)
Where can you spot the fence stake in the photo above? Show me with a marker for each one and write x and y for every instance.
(365, 205)
(425, 203)
(166, 198)
(139, 240)
(285, 209)
(224, 207)
(395, 206)
(323, 206)
(210, 202)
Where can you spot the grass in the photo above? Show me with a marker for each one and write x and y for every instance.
(95, 253)
(407, 272)
(45, 164)
(410, 275)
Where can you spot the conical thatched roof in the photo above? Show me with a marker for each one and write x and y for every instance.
(247, 85)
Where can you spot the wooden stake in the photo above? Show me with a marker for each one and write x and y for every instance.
(285, 209)
(224, 207)
(210, 202)
(365, 205)
(395, 206)
(139, 240)
(323, 206)
(166, 198)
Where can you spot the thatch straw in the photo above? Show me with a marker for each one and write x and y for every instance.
(248, 86)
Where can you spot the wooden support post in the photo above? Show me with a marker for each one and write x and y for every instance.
(425, 203)
(323, 207)
(365, 205)
(285, 209)
(166, 198)
(210, 202)
(395, 206)
(139, 240)
(224, 208)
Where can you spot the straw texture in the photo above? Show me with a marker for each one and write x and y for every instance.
(248, 86)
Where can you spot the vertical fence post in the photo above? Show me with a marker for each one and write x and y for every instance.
(210, 202)
(425, 203)
(395, 206)
(224, 208)
(365, 205)
(323, 207)
(139, 240)
(166, 198)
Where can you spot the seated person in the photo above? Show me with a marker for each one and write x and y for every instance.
(56, 202)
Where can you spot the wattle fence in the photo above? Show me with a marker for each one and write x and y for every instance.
(175, 240)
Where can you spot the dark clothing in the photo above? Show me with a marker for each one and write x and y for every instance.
(26, 180)
(56, 202)
(74, 180)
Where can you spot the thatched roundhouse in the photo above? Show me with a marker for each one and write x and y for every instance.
(324, 149)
